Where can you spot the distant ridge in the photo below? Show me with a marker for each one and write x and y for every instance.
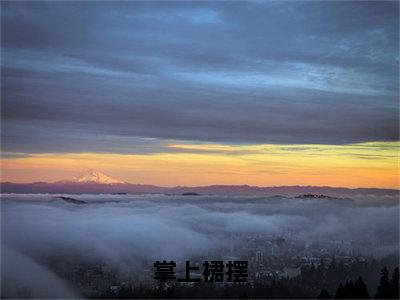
(93, 182)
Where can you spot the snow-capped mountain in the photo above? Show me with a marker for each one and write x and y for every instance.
(92, 176)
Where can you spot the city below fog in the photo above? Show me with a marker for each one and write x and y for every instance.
(89, 245)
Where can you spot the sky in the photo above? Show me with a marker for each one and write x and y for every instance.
(198, 93)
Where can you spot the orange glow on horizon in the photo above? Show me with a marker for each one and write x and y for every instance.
(356, 165)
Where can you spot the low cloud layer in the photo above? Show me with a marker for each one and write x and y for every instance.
(122, 229)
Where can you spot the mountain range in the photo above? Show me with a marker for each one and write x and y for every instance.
(93, 182)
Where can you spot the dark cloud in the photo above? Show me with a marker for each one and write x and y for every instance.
(115, 73)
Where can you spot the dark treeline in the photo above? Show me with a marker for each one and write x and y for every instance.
(286, 288)
(330, 276)
(387, 288)
(307, 285)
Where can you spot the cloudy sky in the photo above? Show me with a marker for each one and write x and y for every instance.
(169, 93)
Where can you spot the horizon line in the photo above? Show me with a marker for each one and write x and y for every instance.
(202, 186)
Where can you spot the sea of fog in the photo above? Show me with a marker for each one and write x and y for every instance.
(117, 228)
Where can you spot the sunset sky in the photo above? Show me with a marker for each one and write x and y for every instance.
(199, 93)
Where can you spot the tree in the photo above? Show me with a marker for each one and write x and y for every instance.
(349, 291)
(324, 295)
(395, 283)
(352, 290)
(384, 288)
(340, 292)
(360, 289)
(125, 292)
